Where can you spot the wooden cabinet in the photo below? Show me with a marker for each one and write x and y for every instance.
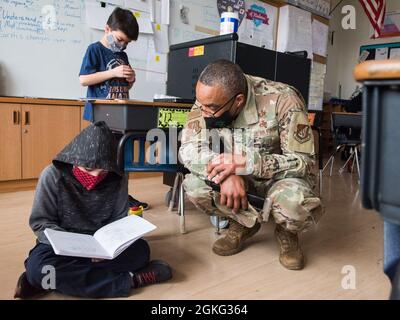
(31, 134)
(46, 130)
(10, 142)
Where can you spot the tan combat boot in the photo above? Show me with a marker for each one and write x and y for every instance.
(290, 256)
(232, 242)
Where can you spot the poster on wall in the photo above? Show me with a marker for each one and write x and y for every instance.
(295, 31)
(391, 25)
(258, 25)
(232, 5)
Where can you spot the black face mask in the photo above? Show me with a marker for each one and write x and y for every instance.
(221, 122)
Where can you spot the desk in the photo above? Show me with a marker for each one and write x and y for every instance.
(133, 120)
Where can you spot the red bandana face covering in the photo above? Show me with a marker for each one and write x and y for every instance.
(86, 179)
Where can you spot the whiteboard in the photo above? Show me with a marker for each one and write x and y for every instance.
(42, 60)
(42, 44)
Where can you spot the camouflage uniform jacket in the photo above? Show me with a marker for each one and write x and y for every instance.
(272, 131)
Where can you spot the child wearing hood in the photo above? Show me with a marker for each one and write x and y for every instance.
(82, 191)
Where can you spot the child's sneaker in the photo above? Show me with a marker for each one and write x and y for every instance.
(136, 203)
(155, 272)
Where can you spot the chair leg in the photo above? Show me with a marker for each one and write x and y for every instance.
(320, 182)
(357, 163)
(181, 205)
(347, 161)
(327, 163)
(355, 159)
(175, 189)
(333, 160)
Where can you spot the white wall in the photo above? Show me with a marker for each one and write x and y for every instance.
(343, 55)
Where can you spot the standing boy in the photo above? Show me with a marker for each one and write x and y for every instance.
(105, 67)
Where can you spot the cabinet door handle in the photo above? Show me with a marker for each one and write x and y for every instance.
(27, 118)
(15, 117)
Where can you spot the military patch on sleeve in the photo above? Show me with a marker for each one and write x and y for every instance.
(194, 125)
(302, 134)
(300, 137)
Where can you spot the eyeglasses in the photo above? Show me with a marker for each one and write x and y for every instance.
(202, 108)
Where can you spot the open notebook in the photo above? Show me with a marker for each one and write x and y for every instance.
(107, 243)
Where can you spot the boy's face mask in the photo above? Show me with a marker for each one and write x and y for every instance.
(115, 46)
(87, 180)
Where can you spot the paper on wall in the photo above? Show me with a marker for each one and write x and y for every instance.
(144, 22)
(147, 63)
(153, 10)
(161, 37)
(294, 30)
(119, 3)
(138, 5)
(96, 15)
(156, 62)
(320, 32)
(165, 5)
(318, 69)
(157, 11)
(394, 53)
(258, 25)
(316, 92)
(382, 53)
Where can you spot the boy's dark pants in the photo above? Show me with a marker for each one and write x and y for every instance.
(84, 278)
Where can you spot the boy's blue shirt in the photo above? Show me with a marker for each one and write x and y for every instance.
(99, 58)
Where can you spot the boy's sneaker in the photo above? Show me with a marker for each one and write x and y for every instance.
(155, 272)
(136, 203)
(25, 290)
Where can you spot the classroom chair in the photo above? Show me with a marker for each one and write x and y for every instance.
(342, 124)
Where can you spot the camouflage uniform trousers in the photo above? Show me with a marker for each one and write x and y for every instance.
(290, 201)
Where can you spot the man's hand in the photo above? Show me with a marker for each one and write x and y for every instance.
(224, 166)
(233, 193)
(123, 71)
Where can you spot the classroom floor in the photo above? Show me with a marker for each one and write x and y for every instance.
(346, 236)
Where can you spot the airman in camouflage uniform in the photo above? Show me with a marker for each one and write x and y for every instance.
(272, 134)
